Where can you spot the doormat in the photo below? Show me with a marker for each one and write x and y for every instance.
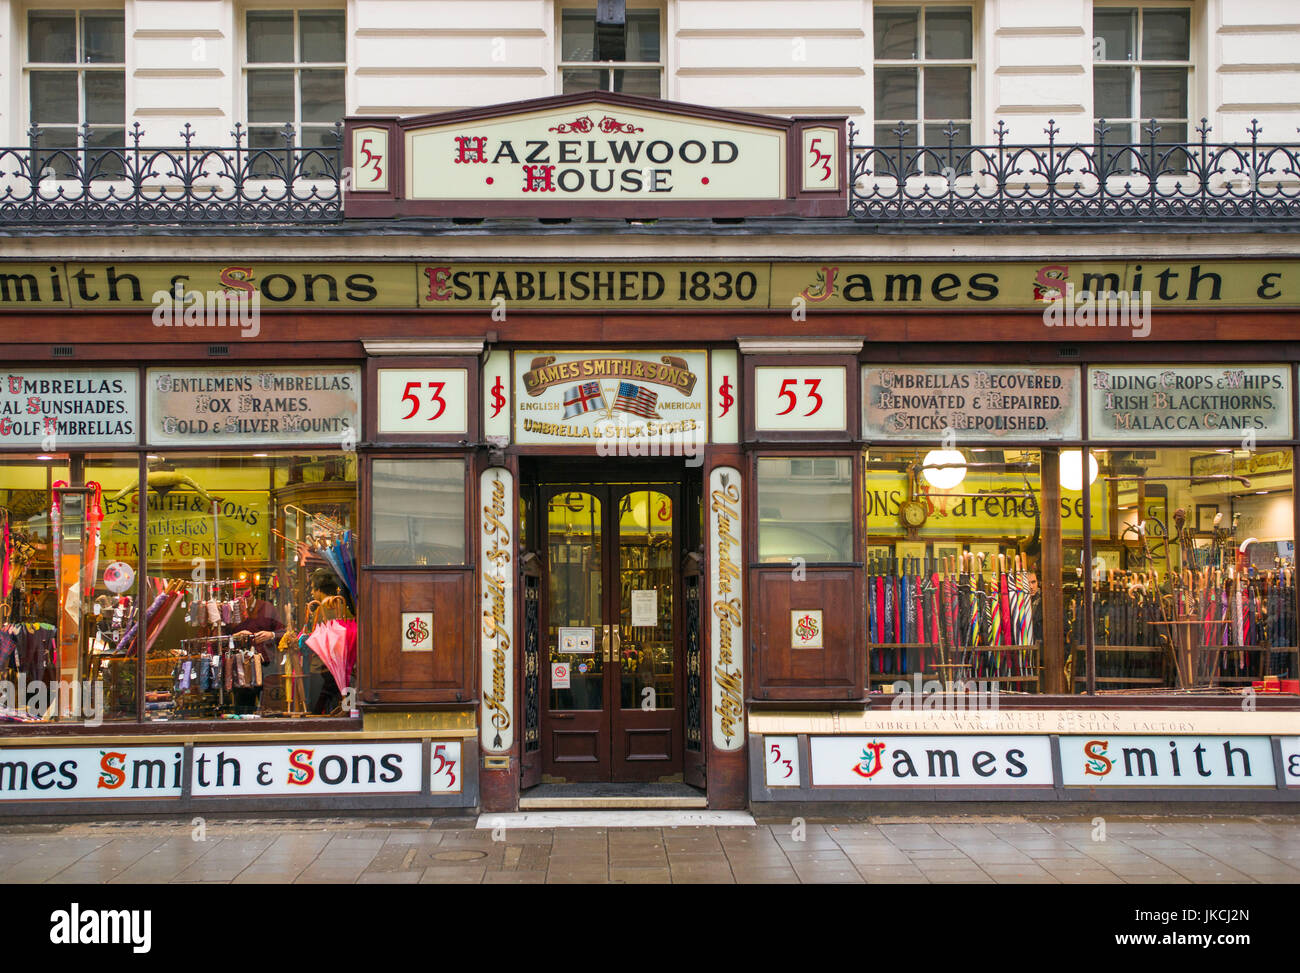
(618, 819)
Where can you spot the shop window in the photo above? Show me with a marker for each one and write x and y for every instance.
(954, 556)
(1192, 571)
(417, 512)
(251, 584)
(621, 56)
(67, 592)
(805, 510)
(295, 74)
(1142, 71)
(924, 74)
(76, 75)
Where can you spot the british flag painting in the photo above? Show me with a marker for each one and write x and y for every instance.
(583, 398)
(636, 400)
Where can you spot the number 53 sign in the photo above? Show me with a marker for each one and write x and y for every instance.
(432, 401)
(800, 399)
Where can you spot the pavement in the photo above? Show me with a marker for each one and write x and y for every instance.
(1003, 849)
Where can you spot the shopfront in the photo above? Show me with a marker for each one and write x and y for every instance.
(433, 531)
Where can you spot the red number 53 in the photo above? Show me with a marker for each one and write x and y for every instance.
(787, 392)
(436, 397)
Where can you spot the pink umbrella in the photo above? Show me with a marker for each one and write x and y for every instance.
(335, 642)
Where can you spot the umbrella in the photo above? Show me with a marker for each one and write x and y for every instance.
(335, 641)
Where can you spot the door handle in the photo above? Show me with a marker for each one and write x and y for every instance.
(614, 649)
(605, 642)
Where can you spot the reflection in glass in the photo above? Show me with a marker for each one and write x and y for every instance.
(418, 515)
(575, 612)
(805, 509)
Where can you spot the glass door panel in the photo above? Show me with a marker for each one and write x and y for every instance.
(646, 566)
(575, 617)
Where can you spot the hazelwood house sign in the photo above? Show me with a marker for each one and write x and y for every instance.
(596, 153)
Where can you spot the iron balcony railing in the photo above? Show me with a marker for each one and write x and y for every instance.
(87, 184)
(1104, 182)
(1110, 182)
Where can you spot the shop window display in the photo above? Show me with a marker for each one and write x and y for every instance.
(251, 585)
(1194, 581)
(67, 591)
(954, 550)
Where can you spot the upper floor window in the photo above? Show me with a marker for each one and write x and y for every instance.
(76, 75)
(294, 73)
(611, 55)
(1141, 71)
(924, 74)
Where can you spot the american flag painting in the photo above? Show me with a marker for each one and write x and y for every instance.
(636, 400)
(586, 397)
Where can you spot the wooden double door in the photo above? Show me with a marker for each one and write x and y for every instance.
(610, 629)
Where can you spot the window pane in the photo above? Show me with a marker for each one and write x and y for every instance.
(805, 509)
(103, 39)
(577, 35)
(322, 36)
(54, 97)
(419, 512)
(1164, 93)
(62, 166)
(106, 165)
(637, 83)
(895, 31)
(1113, 33)
(270, 537)
(270, 96)
(947, 93)
(643, 35)
(948, 32)
(105, 97)
(318, 165)
(584, 80)
(1112, 92)
(266, 165)
(270, 36)
(896, 93)
(1166, 35)
(322, 96)
(51, 38)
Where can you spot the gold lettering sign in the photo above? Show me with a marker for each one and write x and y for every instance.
(496, 571)
(726, 588)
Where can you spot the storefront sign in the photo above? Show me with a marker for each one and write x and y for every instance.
(596, 154)
(496, 398)
(307, 769)
(649, 403)
(638, 285)
(497, 606)
(424, 401)
(788, 398)
(1246, 463)
(1108, 760)
(996, 505)
(727, 618)
(53, 409)
(1291, 760)
(417, 631)
(931, 761)
(90, 773)
(781, 761)
(445, 769)
(1189, 402)
(184, 524)
(724, 376)
(1015, 404)
(241, 406)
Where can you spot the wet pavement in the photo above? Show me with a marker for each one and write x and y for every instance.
(1010, 849)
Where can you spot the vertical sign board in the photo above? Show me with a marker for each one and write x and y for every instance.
(496, 398)
(497, 606)
(724, 372)
(1165, 761)
(428, 401)
(726, 595)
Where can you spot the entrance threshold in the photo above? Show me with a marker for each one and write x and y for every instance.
(629, 796)
(617, 819)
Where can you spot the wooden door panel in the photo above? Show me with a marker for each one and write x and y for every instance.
(833, 671)
(444, 674)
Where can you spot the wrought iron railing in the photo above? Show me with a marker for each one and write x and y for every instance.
(44, 184)
(1110, 181)
(1061, 183)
